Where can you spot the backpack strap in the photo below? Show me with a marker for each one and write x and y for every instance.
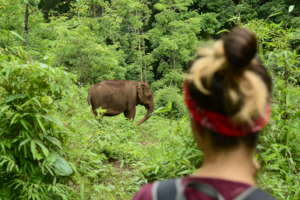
(173, 189)
(164, 190)
(254, 193)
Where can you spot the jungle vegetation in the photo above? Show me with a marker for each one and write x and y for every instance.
(52, 51)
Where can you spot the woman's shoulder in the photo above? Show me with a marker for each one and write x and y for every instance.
(145, 193)
(229, 189)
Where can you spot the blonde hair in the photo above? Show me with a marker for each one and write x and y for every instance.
(242, 85)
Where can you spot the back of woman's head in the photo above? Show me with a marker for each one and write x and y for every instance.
(229, 83)
(240, 47)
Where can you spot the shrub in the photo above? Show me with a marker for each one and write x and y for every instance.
(175, 153)
(32, 141)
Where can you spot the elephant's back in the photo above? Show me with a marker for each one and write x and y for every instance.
(111, 85)
(115, 83)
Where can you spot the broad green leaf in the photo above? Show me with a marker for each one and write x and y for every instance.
(14, 97)
(25, 124)
(160, 6)
(51, 158)
(167, 108)
(291, 8)
(36, 101)
(38, 119)
(61, 166)
(18, 36)
(43, 148)
(52, 119)
(47, 100)
(14, 118)
(23, 143)
(35, 154)
(4, 109)
(222, 31)
(28, 102)
(54, 141)
(275, 14)
(9, 162)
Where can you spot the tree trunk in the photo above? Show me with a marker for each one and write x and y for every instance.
(26, 22)
(142, 78)
(286, 76)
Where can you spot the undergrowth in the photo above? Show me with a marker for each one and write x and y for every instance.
(114, 157)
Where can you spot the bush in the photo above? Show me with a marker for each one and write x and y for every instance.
(175, 153)
(170, 94)
(32, 141)
(173, 78)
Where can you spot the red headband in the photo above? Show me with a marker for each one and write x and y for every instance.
(221, 123)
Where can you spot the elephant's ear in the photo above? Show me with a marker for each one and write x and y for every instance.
(140, 90)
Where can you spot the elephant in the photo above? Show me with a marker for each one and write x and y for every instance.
(121, 96)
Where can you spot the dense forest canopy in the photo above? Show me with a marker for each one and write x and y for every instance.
(51, 51)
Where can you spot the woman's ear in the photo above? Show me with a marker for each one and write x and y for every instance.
(201, 136)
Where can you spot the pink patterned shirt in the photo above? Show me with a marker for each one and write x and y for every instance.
(229, 189)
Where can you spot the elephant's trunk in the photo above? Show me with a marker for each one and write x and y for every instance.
(148, 114)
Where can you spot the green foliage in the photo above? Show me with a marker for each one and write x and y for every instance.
(173, 78)
(79, 51)
(271, 35)
(279, 145)
(164, 162)
(48, 132)
(173, 37)
(11, 21)
(277, 10)
(32, 139)
(285, 64)
(224, 8)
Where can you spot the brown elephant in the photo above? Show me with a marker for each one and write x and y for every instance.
(121, 96)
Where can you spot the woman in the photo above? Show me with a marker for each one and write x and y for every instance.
(228, 94)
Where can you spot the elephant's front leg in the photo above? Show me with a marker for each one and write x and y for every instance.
(130, 113)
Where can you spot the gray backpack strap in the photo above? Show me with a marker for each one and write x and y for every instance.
(254, 193)
(171, 189)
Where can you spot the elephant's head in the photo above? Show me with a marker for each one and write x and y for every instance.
(145, 98)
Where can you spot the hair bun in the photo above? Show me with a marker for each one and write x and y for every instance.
(240, 47)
